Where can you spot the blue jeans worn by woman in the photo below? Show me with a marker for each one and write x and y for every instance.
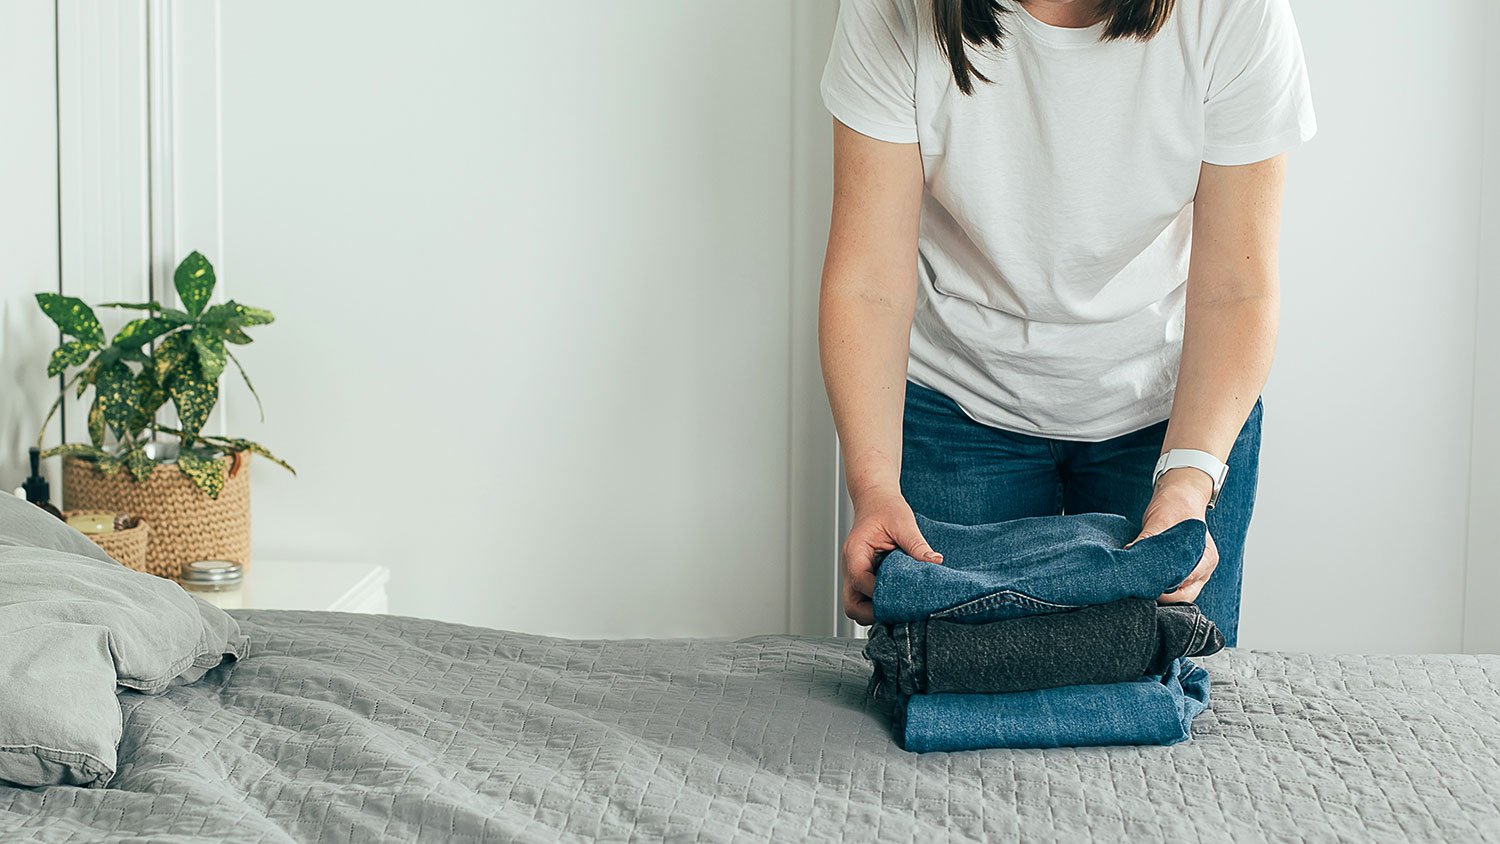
(954, 469)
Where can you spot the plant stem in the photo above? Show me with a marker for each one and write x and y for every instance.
(41, 435)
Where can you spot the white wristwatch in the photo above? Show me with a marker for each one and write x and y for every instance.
(1185, 458)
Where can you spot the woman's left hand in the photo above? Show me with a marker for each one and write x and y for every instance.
(1181, 496)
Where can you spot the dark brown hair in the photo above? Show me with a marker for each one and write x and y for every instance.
(959, 23)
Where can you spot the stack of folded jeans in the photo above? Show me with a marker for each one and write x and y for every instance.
(1041, 632)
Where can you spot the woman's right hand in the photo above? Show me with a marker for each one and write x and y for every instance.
(882, 522)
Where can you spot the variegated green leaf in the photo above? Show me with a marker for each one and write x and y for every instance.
(139, 332)
(207, 473)
(135, 356)
(89, 374)
(255, 316)
(149, 398)
(109, 355)
(233, 334)
(75, 318)
(70, 354)
(235, 444)
(193, 397)
(172, 354)
(170, 314)
(233, 313)
(194, 280)
(96, 423)
(210, 348)
(139, 464)
(153, 305)
(115, 392)
(76, 450)
(244, 376)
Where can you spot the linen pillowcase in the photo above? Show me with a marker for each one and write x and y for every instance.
(158, 633)
(59, 717)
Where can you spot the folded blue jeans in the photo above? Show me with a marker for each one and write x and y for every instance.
(955, 469)
(1151, 710)
(994, 573)
(1032, 566)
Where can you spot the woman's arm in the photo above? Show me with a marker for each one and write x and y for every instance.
(1233, 302)
(864, 322)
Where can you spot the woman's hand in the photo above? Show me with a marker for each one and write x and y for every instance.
(1181, 494)
(882, 522)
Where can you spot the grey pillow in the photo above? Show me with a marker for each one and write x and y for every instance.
(57, 610)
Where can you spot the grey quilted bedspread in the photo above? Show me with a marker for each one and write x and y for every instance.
(361, 728)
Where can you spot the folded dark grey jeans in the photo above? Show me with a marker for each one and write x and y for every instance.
(1108, 643)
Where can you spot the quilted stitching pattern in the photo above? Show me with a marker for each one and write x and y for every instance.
(348, 728)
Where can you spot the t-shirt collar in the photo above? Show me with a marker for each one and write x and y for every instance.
(1054, 34)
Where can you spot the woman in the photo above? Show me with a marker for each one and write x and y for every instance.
(1051, 283)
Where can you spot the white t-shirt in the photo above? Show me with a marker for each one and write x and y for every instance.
(1057, 212)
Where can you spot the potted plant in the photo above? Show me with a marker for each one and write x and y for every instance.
(192, 488)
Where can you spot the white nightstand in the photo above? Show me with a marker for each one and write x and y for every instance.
(335, 586)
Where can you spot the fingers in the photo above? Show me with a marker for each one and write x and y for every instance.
(1190, 588)
(1184, 594)
(858, 587)
(876, 534)
(858, 607)
(860, 582)
(890, 525)
(911, 540)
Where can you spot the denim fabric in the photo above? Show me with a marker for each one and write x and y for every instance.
(1032, 566)
(1110, 643)
(956, 470)
(1150, 710)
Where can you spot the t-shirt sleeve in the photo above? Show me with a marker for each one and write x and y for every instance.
(1259, 103)
(869, 83)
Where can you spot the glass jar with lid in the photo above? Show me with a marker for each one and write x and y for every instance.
(215, 581)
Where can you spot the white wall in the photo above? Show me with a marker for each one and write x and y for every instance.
(1359, 540)
(1482, 610)
(531, 267)
(28, 226)
(814, 540)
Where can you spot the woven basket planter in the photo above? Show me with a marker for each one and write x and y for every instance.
(185, 524)
(127, 547)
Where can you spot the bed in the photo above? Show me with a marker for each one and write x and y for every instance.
(356, 728)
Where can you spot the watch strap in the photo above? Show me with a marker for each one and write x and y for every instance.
(1192, 458)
